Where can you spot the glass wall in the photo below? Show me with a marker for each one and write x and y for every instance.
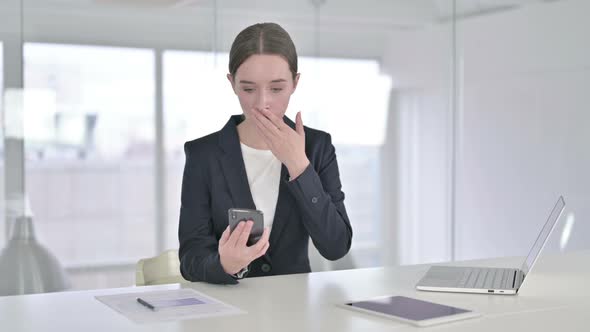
(3, 227)
(92, 169)
(452, 121)
(90, 155)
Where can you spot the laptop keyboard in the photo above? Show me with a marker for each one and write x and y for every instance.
(490, 278)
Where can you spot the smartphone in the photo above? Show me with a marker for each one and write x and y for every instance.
(236, 215)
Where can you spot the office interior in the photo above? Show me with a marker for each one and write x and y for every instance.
(456, 123)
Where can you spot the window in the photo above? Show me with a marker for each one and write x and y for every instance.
(90, 151)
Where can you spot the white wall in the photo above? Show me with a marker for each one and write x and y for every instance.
(524, 132)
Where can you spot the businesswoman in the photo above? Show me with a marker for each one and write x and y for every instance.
(261, 160)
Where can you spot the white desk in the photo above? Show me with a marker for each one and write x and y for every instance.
(556, 297)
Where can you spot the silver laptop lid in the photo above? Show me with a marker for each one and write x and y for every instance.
(543, 236)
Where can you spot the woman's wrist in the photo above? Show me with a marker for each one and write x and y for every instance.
(297, 168)
(228, 269)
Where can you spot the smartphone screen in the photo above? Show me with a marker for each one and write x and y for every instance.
(236, 215)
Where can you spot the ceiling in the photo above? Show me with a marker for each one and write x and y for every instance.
(402, 12)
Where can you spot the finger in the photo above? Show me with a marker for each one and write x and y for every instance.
(278, 122)
(243, 239)
(224, 236)
(266, 126)
(262, 129)
(235, 234)
(269, 125)
(299, 124)
(263, 240)
(262, 251)
(266, 136)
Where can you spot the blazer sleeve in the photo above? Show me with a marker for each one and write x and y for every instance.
(198, 251)
(321, 200)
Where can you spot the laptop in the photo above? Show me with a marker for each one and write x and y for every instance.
(489, 280)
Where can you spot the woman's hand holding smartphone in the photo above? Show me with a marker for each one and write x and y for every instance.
(234, 252)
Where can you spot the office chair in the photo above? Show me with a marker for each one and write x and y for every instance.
(162, 269)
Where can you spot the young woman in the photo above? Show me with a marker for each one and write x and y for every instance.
(261, 160)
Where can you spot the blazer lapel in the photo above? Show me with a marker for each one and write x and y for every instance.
(232, 164)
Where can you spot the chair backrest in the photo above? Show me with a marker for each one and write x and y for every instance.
(162, 269)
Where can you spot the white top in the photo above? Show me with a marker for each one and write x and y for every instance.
(264, 174)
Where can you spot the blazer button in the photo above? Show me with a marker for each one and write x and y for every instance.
(265, 268)
(314, 200)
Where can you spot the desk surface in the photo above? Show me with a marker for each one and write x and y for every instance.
(556, 296)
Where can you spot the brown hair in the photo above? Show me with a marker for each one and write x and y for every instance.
(262, 38)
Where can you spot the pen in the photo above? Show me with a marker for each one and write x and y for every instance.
(146, 304)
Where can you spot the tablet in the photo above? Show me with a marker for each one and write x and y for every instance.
(413, 311)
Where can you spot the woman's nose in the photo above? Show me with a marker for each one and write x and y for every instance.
(262, 100)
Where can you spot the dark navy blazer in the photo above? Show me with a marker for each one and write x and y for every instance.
(312, 205)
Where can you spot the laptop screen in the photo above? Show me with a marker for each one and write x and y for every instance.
(543, 236)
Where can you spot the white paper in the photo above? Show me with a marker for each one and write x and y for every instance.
(127, 305)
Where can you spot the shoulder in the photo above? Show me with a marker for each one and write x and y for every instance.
(202, 146)
(316, 136)
(318, 145)
(199, 153)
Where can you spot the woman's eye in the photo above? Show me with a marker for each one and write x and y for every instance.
(276, 89)
(248, 90)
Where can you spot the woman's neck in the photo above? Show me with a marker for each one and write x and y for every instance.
(249, 135)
